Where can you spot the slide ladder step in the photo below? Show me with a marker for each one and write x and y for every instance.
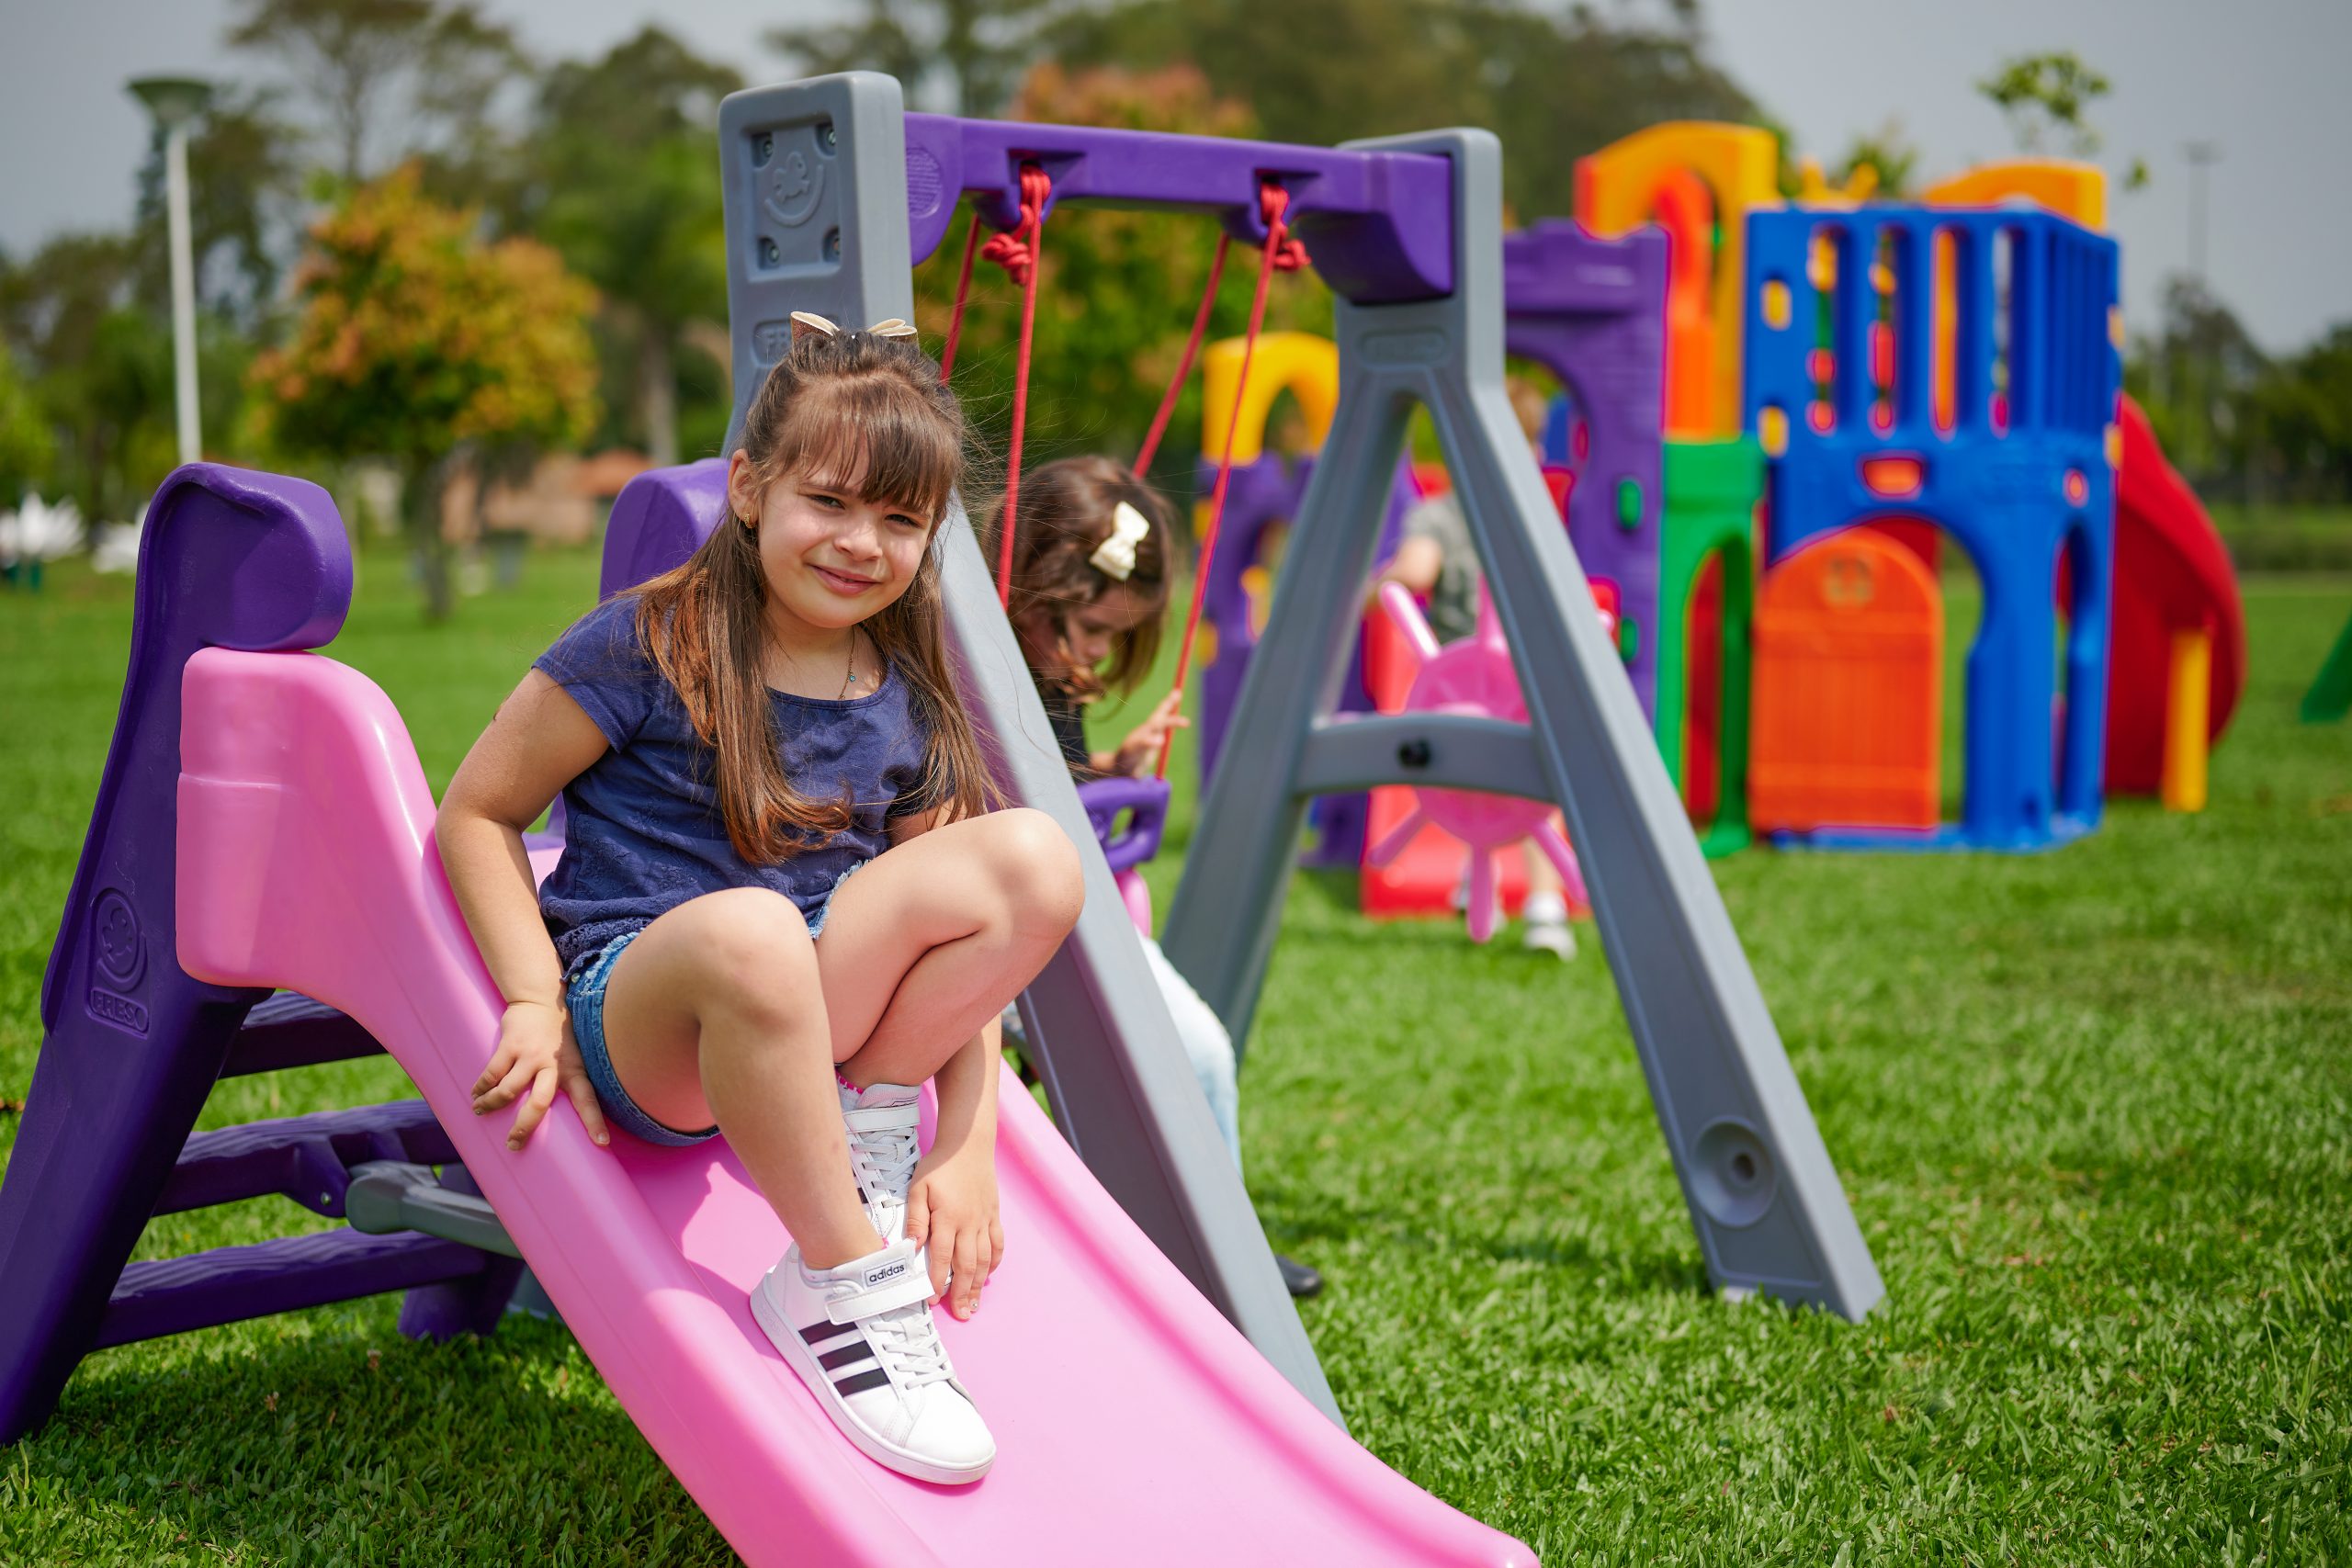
(289, 1030)
(307, 1158)
(227, 1284)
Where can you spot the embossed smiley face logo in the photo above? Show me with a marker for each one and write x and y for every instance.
(121, 955)
(795, 186)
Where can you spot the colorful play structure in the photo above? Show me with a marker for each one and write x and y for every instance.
(1845, 384)
(263, 823)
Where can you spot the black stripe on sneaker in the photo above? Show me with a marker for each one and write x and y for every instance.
(877, 1378)
(847, 1355)
(818, 1333)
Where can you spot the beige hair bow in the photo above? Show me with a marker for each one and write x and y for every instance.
(811, 321)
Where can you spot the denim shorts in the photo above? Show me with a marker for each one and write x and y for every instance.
(584, 999)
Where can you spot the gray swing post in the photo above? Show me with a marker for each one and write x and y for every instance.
(816, 184)
(1763, 1193)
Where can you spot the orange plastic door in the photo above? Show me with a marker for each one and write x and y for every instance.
(1847, 723)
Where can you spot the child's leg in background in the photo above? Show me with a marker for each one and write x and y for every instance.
(1206, 1045)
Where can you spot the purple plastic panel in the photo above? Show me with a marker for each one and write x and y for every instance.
(174, 1295)
(1258, 496)
(659, 519)
(1592, 312)
(132, 1045)
(1145, 803)
(289, 1030)
(306, 1158)
(1378, 225)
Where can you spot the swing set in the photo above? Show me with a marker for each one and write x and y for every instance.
(263, 822)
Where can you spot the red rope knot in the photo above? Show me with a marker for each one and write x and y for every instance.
(1015, 249)
(1286, 253)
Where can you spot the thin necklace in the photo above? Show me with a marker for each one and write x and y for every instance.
(849, 678)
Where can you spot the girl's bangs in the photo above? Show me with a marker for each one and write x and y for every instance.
(876, 432)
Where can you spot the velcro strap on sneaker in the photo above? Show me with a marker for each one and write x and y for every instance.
(883, 1118)
(896, 1277)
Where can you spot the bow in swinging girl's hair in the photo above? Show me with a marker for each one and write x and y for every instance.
(809, 321)
(1115, 557)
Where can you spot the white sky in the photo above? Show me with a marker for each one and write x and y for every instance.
(2266, 79)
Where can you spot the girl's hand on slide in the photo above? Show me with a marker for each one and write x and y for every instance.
(951, 1212)
(1139, 752)
(537, 1055)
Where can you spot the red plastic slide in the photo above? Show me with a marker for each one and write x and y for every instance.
(2171, 574)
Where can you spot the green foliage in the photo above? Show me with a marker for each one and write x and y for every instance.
(26, 447)
(100, 367)
(244, 172)
(2089, 1106)
(1889, 155)
(623, 183)
(2046, 98)
(427, 71)
(2239, 424)
(415, 337)
(1554, 86)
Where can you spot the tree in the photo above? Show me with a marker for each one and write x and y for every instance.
(2195, 378)
(977, 48)
(1889, 155)
(26, 446)
(2045, 97)
(392, 78)
(416, 341)
(624, 183)
(2301, 419)
(1553, 86)
(102, 367)
(243, 178)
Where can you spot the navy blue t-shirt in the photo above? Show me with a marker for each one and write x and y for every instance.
(643, 831)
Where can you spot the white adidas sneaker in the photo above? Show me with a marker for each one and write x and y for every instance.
(883, 1120)
(863, 1339)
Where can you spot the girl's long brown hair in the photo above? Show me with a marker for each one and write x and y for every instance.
(850, 405)
(1062, 516)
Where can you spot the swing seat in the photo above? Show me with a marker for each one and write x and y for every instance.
(305, 859)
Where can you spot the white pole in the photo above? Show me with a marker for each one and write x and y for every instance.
(183, 292)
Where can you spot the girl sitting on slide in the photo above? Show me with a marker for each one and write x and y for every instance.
(1090, 590)
(733, 740)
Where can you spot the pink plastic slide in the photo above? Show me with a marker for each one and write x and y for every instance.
(1134, 1424)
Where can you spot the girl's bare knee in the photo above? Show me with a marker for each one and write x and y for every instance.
(1037, 868)
(751, 949)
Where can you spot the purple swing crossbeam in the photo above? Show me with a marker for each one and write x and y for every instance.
(1377, 224)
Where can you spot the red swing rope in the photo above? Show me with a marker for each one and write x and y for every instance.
(1281, 253)
(963, 296)
(1018, 250)
(1184, 366)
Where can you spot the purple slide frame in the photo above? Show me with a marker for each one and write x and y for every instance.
(132, 1045)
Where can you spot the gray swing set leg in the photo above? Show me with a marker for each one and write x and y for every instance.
(815, 177)
(1763, 1193)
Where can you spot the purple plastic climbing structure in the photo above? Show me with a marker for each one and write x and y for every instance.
(1592, 312)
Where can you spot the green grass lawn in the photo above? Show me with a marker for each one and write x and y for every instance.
(2093, 1109)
